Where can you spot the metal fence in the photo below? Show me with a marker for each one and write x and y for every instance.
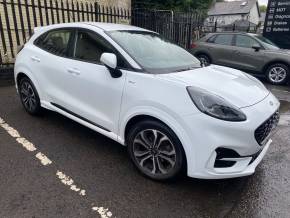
(215, 27)
(19, 17)
(181, 27)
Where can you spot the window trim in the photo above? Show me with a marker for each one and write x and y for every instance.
(235, 41)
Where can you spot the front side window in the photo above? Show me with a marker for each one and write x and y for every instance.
(224, 39)
(152, 52)
(55, 42)
(90, 46)
(245, 41)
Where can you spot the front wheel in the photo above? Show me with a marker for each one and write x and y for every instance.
(155, 150)
(277, 74)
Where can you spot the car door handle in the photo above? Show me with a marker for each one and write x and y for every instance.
(35, 59)
(74, 71)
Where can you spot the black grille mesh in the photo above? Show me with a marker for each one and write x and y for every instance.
(265, 129)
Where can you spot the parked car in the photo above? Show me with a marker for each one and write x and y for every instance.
(150, 95)
(245, 51)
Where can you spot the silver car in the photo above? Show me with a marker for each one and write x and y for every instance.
(244, 51)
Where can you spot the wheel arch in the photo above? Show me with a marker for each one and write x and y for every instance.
(203, 53)
(23, 73)
(170, 123)
(278, 61)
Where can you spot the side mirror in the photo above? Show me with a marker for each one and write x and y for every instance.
(110, 61)
(256, 47)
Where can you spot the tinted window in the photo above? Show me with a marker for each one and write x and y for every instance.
(245, 41)
(55, 42)
(90, 47)
(224, 39)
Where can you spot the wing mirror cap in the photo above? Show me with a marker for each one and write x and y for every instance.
(110, 61)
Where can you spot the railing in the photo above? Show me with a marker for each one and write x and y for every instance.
(19, 17)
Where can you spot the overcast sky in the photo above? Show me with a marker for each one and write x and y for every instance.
(263, 2)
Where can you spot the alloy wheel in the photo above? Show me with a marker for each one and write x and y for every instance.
(277, 74)
(154, 152)
(28, 96)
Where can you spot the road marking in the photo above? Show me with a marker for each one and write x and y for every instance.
(43, 159)
(105, 213)
(26, 144)
(66, 180)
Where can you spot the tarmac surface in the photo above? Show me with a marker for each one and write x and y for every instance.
(51, 166)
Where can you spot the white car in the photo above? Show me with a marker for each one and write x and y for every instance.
(150, 95)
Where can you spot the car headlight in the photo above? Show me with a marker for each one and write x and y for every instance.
(214, 105)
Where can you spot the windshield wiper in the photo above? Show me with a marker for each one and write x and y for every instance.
(185, 69)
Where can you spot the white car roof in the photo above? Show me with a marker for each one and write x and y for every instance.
(103, 26)
(114, 26)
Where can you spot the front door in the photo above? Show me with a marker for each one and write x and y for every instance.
(245, 57)
(94, 94)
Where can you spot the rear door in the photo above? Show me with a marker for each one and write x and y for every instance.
(244, 56)
(221, 48)
(48, 60)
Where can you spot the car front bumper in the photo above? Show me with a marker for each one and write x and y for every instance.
(241, 151)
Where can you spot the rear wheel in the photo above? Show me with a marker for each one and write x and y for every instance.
(29, 96)
(204, 59)
(155, 150)
(277, 74)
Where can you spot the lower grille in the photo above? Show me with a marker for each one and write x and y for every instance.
(263, 131)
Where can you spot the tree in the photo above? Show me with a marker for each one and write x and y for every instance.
(263, 8)
(183, 5)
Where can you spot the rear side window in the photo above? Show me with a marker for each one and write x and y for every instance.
(55, 42)
(245, 41)
(224, 39)
(90, 46)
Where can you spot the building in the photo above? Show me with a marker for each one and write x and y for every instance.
(228, 12)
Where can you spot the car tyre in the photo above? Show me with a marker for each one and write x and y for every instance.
(29, 96)
(155, 150)
(204, 59)
(277, 74)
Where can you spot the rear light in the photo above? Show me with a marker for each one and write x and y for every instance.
(193, 45)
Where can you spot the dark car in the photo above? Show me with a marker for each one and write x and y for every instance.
(247, 52)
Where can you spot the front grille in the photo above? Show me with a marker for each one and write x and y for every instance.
(266, 128)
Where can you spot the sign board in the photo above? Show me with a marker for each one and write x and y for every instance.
(277, 22)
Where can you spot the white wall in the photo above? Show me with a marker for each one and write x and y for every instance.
(254, 15)
(225, 19)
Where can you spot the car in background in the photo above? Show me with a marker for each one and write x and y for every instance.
(248, 52)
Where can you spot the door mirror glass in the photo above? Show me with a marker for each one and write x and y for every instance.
(110, 61)
(257, 47)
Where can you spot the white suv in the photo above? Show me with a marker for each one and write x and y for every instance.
(151, 95)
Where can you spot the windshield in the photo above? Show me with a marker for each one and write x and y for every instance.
(154, 54)
(267, 43)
